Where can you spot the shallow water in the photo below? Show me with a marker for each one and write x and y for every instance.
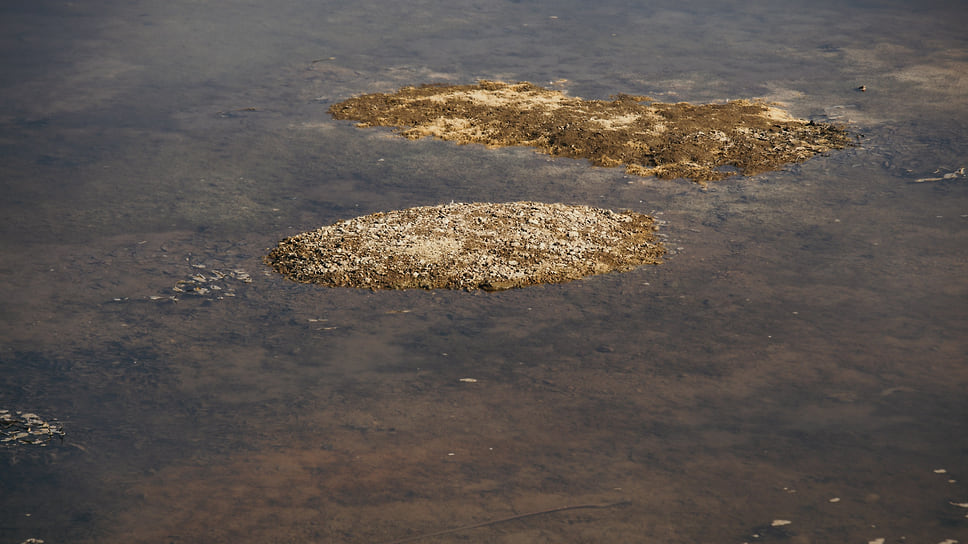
(805, 342)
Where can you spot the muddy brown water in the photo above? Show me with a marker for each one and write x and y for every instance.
(799, 357)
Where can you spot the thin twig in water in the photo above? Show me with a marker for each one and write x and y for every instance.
(509, 518)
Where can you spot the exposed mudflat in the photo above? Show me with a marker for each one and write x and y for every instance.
(702, 142)
(480, 245)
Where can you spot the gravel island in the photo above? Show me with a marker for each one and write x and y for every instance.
(470, 246)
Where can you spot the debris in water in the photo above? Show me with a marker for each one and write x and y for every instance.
(20, 428)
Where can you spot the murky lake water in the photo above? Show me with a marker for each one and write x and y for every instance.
(802, 356)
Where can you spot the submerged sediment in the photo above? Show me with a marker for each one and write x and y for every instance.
(470, 246)
(703, 142)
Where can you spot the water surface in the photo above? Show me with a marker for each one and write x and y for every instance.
(801, 355)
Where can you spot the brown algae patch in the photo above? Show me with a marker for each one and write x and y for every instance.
(703, 142)
(470, 246)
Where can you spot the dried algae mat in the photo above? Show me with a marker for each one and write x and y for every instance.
(704, 142)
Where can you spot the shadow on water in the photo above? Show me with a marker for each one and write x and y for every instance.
(799, 357)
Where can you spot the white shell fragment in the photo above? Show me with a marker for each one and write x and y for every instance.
(780, 522)
(959, 173)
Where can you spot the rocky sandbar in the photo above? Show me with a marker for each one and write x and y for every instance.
(470, 246)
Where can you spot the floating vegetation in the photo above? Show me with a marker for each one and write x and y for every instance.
(702, 142)
(470, 246)
(22, 428)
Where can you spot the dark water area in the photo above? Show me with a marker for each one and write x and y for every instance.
(800, 357)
